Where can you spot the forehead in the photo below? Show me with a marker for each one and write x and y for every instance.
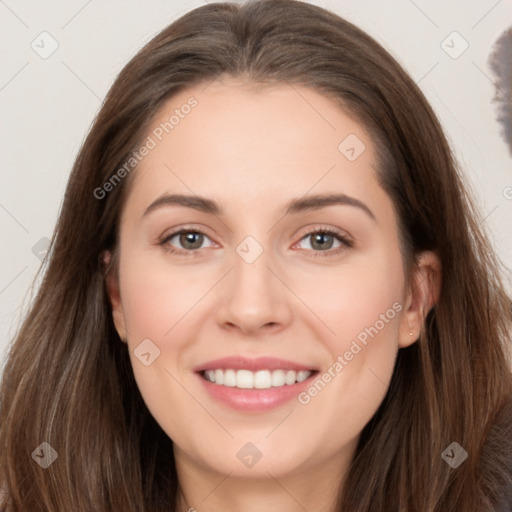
(234, 140)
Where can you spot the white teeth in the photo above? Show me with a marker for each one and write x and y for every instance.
(262, 379)
(229, 378)
(290, 377)
(218, 377)
(278, 378)
(244, 379)
(302, 375)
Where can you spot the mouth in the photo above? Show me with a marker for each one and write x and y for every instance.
(254, 384)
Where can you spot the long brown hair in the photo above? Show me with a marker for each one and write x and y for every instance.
(68, 379)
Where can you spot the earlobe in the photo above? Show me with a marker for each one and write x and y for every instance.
(113, 292)
(423, 295)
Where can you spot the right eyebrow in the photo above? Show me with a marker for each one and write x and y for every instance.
(201, 204)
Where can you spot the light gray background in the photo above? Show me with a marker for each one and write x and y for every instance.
(48, 104)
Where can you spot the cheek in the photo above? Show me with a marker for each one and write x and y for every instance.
(357, 301)
(362, 305)
(157, 304)
(156, 297)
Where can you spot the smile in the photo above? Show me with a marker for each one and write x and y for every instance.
(262, 379)
(254, 384)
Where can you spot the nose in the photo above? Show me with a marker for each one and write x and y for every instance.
(253, 298)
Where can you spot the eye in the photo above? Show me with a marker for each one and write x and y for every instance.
(326, 240)
(188, 240)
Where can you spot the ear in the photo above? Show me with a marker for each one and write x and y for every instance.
(422, 296)
(114, 295)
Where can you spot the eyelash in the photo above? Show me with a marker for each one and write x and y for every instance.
(345, 241)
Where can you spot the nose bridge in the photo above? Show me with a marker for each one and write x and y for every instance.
(253, 297)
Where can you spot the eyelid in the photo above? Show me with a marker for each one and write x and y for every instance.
(170, 232)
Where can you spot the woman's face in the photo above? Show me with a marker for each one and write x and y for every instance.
(288, 268)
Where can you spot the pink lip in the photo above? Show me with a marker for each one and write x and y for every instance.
(244, 363)
(248, 400)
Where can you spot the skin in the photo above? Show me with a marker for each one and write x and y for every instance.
(252, 150)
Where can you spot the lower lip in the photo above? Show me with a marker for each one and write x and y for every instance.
(255, 399)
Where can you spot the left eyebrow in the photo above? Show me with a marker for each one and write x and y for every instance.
(302, 204)
(323, 200)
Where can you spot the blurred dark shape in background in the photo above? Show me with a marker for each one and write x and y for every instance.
(500, 61)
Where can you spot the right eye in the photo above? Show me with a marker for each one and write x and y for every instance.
(190, 241)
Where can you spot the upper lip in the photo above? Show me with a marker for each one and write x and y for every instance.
(252, 364)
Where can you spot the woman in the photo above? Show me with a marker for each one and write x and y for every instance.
(335, 338)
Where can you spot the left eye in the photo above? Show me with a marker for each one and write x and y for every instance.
(324, 240)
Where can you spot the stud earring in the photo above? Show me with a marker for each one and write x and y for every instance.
(410, 333)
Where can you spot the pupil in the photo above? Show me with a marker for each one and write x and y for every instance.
(191, 239)
(321, 240)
